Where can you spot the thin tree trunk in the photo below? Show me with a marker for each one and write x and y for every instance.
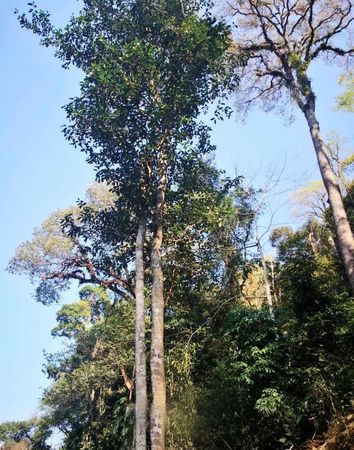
(274, 291)
(158, 414)
(265, 276)
(140, 351)
(342, 227)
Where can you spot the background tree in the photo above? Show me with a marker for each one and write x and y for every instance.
(90, 399)
(25, 434)
(345, 101)
(342, 159)
(280, 41)
(54, 258)
(310, 201)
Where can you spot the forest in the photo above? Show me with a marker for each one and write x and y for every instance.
(186, 331)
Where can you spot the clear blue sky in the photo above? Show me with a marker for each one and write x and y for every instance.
(40, 173)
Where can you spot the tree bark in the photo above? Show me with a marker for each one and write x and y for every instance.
(158, 414)
(140, 351)
(342, 227)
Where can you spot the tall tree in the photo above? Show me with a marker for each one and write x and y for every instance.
(280, 40)
(149, 69)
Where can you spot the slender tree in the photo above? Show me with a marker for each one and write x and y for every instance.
(149, 69)
(141, 400)
(280, 40)
(265, 273)
(140, 350)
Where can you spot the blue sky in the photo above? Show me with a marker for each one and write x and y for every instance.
(40, 173)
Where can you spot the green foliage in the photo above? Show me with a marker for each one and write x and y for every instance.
(16, 431)
(345, 101)
(89, 397)
(149, 70)
(269, 403)
(59, 253)
(236, 378)
(256, 384)
(24, 435)
(75, 318)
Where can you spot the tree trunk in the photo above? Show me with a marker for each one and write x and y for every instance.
(274, 291)
(265, 276)
(158, 414)
(140, 351)
(342, 227)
